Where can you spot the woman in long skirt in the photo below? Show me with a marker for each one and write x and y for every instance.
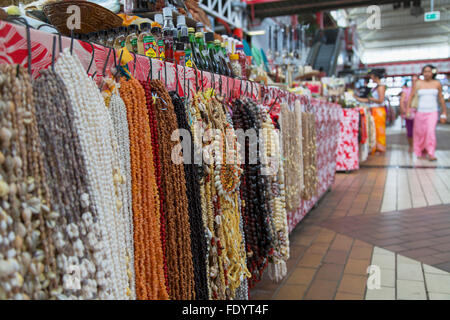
(429, 91)
(378, 109)
(409, 118)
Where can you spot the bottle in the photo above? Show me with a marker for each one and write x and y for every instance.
(184, 39)
(203, 54)
(156, 32)
(180, 55)
(168, 34)
(242, 60)
(215, 63)
(119, 42)
(144, 39)
(181, 23)
(223, 57)
(112, 34)
(132, 38)
(235, 66)
(195, 55)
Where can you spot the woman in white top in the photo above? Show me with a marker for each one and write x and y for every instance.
(429, 91)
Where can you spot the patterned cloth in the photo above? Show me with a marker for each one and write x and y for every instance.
(348, 147)
(379, 115)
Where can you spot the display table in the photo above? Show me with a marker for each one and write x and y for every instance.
(328, 117)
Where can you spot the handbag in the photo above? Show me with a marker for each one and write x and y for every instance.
(415, 102)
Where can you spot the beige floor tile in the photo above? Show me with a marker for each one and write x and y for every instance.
(409, 271)
(388, 278)
(405, 260)
(410, 290)
(433, 270)
(438, 283)
(384, 261)
(384, 293)
(381, 251)
(439, 296)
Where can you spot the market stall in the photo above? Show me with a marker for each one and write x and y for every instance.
(227, 218)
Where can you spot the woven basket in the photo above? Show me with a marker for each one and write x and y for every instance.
(93, 17)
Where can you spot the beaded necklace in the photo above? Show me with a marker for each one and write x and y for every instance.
(255, 208)
(309, 156)
(179, 254)
(67, 176)
(149, 265)
(118, 113)
(276, 190)
(26, 252)
(157, 167)
(99, 146)
(198, 237)
(291, 129)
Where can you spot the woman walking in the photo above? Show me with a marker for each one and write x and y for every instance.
(409, 117)
(378, 109)
(429, 92)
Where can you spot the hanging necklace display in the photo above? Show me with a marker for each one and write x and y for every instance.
(27, 251)
(67, 175)
(173, 185)
(99, 148)
(198, 238)
(293, 153)
(149, 259)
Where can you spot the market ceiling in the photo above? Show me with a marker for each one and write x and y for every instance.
(275, 8)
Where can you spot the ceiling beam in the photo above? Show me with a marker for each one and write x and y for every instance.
(288, 7)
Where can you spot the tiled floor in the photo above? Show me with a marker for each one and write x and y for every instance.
(393, 215)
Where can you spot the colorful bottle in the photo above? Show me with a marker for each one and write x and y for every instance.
(203, 54)
(119, 42)
(168, 34)
(143, 38)
(194, 50)
(184, 39)
(180, 55)
(156, 32)
(132, 38)
(215, 63)
(223, 57)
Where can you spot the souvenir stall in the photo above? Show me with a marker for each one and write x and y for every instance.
(356, 139)
(122, 176)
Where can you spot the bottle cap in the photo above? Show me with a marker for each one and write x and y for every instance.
(199, 26)
(234, 56)
(167, 12)
(191, 30)
(217, 42)
(209, 37)
(199, 35)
